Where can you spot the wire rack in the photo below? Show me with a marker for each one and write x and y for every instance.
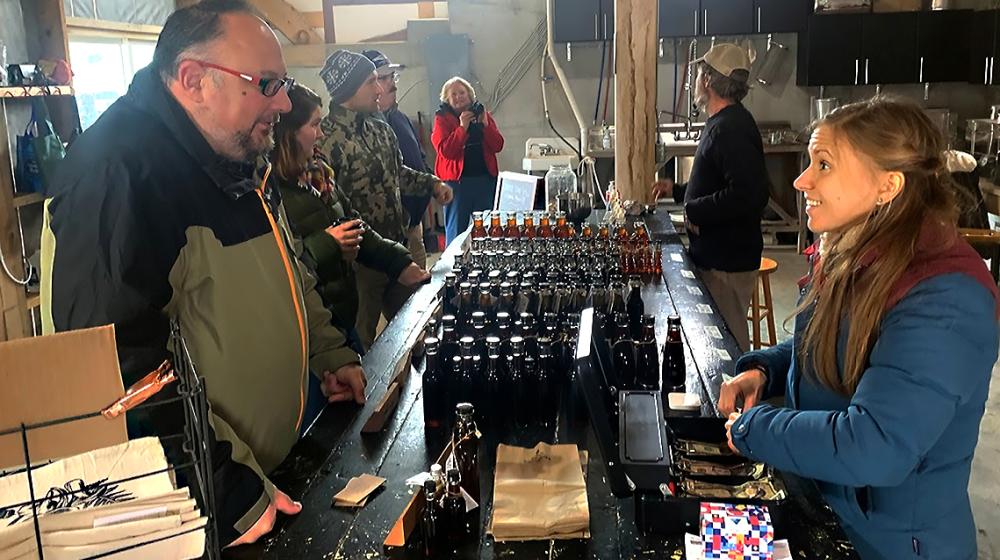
(186, 448)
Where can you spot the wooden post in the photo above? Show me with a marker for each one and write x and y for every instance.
(13, 303)
(329, 31)
(635, 97)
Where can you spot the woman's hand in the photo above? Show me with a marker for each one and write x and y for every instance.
(413, 275)
(348, 237)
(466, 118)
(485, 118)
(729, 431)
(747, 387)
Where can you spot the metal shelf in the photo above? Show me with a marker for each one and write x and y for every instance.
(27, 199)
(17, 92)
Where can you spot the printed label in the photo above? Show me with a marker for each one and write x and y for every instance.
(676, 257)
(723, 354)
(704, 308)
(714, 332)
(694, 290)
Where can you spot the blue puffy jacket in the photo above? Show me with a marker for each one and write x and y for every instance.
(893, 460)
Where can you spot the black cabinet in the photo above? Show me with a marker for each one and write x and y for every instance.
(944, 44)
(830, 54)
(889, 49)
(680, 18)
(726, 17)
(607, 21)
(576, 21)
(984, 48)
(781, 16)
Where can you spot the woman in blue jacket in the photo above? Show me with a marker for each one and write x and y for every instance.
(886, 377)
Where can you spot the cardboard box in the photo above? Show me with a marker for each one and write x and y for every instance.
(58, 376)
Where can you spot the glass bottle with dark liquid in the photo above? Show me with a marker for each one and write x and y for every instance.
(449, 340)
(465, 383)
(453, 505)
(465, 446)
(430, 522)
(647, 356)
(478, 229)
(623, 354)
(515, 377)
(635, 306)
(496, 230)
(512, 231)
(545, 227)
(562, 227)
(529, 225)
(434, 386)
(493, 384)
(674, 370)
(450, 304)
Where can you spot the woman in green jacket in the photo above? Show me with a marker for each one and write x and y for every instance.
(333, 234)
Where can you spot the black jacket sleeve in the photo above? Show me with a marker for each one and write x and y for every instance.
(110, 265)
(745, 190)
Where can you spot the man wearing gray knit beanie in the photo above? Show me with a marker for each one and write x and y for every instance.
(364, 154)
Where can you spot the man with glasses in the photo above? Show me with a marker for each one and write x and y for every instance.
(409, 144)
(364, 154)
(164, 210)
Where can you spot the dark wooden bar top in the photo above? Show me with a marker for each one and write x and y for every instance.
(335, 450)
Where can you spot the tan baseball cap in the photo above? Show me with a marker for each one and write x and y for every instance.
(726, 57)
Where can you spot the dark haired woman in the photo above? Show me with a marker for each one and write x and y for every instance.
(887, 374)
(332, 233)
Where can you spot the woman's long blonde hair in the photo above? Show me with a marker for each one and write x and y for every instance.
(457, 80)
(892, 135)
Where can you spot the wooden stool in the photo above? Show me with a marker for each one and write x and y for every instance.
(989, 241)
(759, 312)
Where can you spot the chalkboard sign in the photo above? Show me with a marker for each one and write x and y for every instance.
(515, 192)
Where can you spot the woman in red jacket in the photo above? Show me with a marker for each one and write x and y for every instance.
(467, 141)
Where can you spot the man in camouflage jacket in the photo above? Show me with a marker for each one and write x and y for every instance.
(364, 154)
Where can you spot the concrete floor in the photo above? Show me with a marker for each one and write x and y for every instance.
(984, 488)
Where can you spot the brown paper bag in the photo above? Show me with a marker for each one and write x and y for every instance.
(539, 494)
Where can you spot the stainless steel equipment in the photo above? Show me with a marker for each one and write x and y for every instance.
(823, 107)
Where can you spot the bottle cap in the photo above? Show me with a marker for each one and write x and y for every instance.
(465, 409)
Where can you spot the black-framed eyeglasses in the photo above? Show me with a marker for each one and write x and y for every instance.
(269, 87)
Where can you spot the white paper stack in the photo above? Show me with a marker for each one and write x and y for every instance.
(81, 517)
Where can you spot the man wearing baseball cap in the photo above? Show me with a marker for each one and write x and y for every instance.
(409, 145)
(368, 166)
(728, 188)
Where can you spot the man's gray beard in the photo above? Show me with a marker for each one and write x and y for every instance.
(249, 153)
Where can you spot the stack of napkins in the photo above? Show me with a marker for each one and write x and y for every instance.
(84, 516)
(356, 493)
(539, 494)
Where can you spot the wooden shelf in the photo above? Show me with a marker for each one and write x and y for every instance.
(34, 300)
(27, 199)
(17, 92)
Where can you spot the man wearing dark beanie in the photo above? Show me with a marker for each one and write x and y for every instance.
(364, 154)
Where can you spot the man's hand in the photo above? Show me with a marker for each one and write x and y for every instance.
(442, 193)
(729, 431)
(747, 387)
(279, 503)
(346, 383)
(348, 237)
(466, 118)
(413, 275)
(663, 188)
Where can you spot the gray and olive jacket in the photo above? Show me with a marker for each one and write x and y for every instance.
(310, 212)
(364, 154)
(147, 224)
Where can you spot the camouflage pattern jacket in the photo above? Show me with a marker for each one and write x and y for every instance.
(364, 154)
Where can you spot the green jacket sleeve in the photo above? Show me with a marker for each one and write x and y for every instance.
(328, 350)
(411, 181)
(383, 254)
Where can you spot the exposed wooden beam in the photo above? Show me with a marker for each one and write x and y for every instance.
(635, 97)
(369, 2)
(289, 21)
(315, 19)
(306, 55)
(425, 9)
(13, 305)
(329, 29)
(105, 25)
